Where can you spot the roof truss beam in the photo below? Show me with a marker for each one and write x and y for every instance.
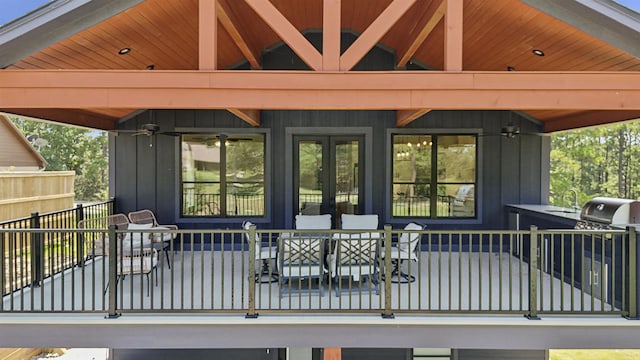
(370, 37)
(405, 117)
(287, 32)
(226, 22)
(428, 27)
(453, 35)
(407, 90)
(252, 117)
(331, 15)
(207, 35)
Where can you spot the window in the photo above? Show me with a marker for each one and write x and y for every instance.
(223, 175)
(434, 176)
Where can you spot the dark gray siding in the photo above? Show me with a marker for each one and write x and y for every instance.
(484, 354)
(512, 170)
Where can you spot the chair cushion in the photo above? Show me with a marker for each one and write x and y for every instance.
(162, 236)
(313, 222)
(359, 222)
(408, 241)
(138, 239)
(139, 226)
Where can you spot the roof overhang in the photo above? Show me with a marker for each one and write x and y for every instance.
(52, 23)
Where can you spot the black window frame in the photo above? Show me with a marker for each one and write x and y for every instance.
(433, 182)
(224, 212)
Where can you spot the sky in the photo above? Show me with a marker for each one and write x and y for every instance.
(13, 9)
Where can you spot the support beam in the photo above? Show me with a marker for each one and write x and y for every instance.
(405, 90)
(252, 117)
(287, 32)
(404, 117)
(331, 35)
(234, 33)
(453, 35)
(370, 37)
(422, 35)
(207, 35)
(332, 354)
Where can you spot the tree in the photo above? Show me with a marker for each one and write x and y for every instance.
(596, 161)
(72, 148)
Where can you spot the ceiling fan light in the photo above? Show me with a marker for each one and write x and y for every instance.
(510, 131)
(150, 127)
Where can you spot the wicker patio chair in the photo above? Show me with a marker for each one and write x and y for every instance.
(162, 239)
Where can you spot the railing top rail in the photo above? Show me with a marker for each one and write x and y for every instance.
(54, 213)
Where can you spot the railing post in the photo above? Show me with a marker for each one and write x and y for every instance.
(36, 251)
(533, 274)
(3, 237)
(79, 236)
(251, 277)
(634, 275)
(113, 273)
(387, 314)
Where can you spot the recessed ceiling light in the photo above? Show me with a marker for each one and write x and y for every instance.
(124, 51)
(511, 68)
(151, 67)
(537, 52)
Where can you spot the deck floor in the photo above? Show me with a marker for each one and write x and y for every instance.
(218, 281)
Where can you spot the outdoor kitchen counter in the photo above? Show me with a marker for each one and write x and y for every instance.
(522, 216)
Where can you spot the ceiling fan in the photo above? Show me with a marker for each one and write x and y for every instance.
(512, 131)
(149, 130)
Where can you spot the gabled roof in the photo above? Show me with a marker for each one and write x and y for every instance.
(171, 36)
(15, 151)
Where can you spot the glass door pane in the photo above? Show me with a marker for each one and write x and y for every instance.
(310, 176)
(347, 177)
(328, 175)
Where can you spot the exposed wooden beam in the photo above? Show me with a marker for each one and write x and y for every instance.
(234, 33)
(77, 117)
(287, 32)
(331, 12)
(399, 90)
(422, 35)
(332, 354)
(374, 33)
(589, 118)
(252, 117)
(207, 35)
(453, 35)
(404, 117)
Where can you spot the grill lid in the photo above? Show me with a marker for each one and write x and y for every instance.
(605, 210)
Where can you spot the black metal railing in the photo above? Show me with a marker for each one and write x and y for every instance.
(209, 204)
(31, 256)
(420, 206)
(529, 272)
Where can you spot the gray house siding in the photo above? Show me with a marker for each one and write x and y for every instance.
(148, 176)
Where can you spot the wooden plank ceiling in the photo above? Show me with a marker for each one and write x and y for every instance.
(498, 35)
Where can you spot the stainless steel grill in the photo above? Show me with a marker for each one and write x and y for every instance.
(607, 213)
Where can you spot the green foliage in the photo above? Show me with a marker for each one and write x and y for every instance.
(600, 161)
(75, 149)
(592, 354)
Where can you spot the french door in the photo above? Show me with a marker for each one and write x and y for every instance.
(328, 175)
